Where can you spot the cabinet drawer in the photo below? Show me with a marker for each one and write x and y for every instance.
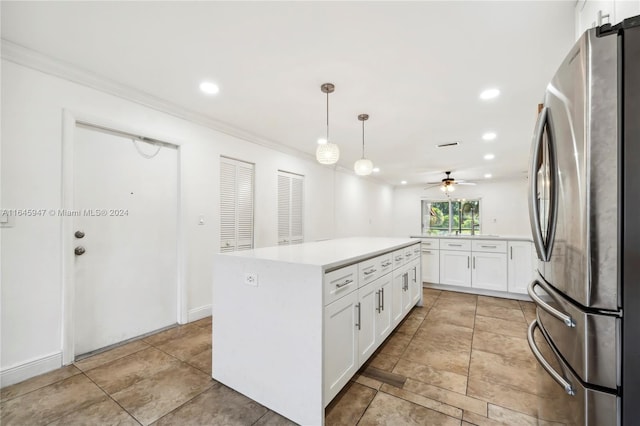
(457, 244)
(416, 250)
(409, 254)
(431, 243)
(339, 283)
(369, 270)
(398, 258)
(489, 246)
(386, 264)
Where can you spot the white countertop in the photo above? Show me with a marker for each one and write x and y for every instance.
(327, 254)
(478, 237)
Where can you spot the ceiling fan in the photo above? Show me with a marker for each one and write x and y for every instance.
(448, 184)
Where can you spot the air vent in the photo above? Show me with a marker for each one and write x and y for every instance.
(448, 144)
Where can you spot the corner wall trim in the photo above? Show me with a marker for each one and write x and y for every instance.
(35, 367)
(199, 313)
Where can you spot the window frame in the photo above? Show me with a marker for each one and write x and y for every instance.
(476, 230)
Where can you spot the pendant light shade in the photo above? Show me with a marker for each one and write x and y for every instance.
(328, 153)
(363, 167)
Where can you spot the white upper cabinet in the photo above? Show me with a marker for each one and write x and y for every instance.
(593, 13)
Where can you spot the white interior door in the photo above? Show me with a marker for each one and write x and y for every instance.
(126, 201)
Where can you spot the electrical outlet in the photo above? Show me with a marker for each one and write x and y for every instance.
(251, 279)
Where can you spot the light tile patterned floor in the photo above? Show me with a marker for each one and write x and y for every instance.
(459, 360)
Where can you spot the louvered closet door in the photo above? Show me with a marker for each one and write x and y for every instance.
(290, 200)
(284, 208)
(297, 231)
(236, 205)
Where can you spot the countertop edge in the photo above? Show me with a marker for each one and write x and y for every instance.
(475, 237)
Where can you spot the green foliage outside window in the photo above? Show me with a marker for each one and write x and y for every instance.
(455, 216)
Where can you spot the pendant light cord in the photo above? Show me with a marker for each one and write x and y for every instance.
(362, 138)
(327, 117)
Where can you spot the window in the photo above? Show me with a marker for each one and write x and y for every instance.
(450, 216)
(236, 205)
(290, 200)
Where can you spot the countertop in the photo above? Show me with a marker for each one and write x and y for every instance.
(329, 253)
(478, 237)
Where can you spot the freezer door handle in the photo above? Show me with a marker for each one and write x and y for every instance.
(566, 318)
(568, 387)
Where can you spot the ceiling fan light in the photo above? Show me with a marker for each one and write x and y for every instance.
(363, 167)
(451, 188)
(328, 153)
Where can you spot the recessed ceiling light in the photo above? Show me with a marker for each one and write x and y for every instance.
(489, 94)
(489, 156)
(209, 88)
(404, 182)
(489, 136)
(376, 169)
(322, 141)
(487, 175)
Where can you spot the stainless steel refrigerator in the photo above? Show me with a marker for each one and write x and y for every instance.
(584, 206)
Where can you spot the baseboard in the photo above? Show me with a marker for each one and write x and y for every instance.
(478, 291)
(198, 313)
(29, 369)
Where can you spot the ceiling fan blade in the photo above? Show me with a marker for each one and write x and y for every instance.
(465, 183)
(434, 183)
(432, 186)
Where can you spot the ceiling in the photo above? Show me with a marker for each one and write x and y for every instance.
(417, 68)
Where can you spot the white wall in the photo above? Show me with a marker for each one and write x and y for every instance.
(503, 207)
(337, 204)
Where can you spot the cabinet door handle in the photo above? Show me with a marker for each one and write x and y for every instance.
(426, 251)
(382, 297)
(454, 245)
(408, 255)
(340, 285)
(467, 262)
(370, 271)
(384, 265)
(511, 253)
(398, 258)
(489, 246)
(415, 274)
(378, 300)
(474, 262)
(358, 323)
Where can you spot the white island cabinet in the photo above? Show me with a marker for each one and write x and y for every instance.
(292, 324)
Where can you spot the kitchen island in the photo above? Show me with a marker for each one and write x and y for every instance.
(292, 324)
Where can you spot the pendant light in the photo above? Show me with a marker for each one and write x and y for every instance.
(327, 153)
(363, 167)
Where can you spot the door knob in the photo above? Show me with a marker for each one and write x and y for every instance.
(79, 234)
(79, 251)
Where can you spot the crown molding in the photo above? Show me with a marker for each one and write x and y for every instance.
(29, 58)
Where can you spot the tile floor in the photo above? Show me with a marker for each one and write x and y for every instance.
(459, 360)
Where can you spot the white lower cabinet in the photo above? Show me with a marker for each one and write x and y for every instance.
(397, 290)
(341, 359)
(489, 271)
(520, 266)
(383, 311)
(455, 268)
(431, 266)
(366, 311)
(363, 317)
(415, 282)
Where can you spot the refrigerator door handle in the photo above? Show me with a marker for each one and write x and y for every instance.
(565, 318)
(543, 248)
(534, 208)
(568, 387)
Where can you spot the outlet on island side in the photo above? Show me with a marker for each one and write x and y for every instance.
(251, 279)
